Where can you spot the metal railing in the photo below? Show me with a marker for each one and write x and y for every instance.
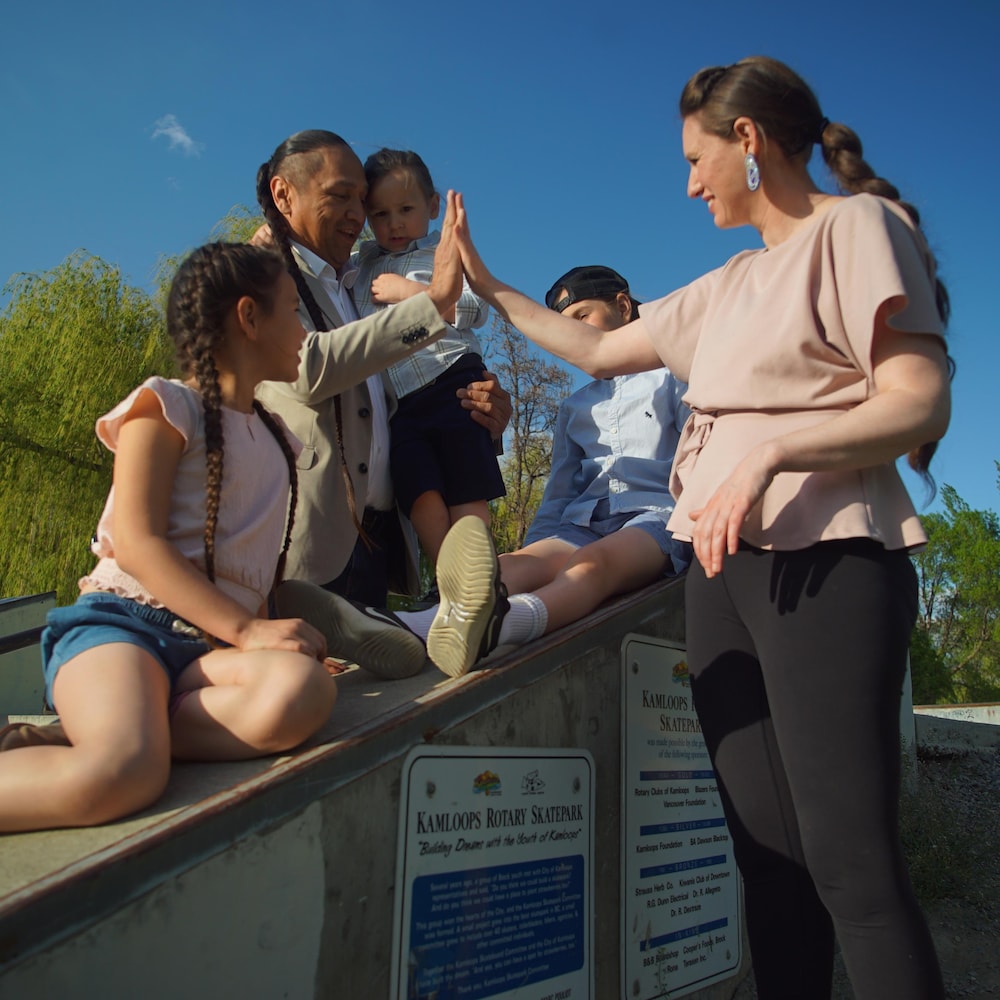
(21, 640)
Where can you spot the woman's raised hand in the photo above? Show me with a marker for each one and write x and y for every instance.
(481, 281)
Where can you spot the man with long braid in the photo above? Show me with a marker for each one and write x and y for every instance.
(348, 537)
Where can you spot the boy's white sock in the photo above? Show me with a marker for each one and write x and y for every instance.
(418, 622)
(527, 619)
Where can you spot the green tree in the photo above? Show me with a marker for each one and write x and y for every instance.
(932, 680)
(75, 341)
(955, 652)
(537, 387)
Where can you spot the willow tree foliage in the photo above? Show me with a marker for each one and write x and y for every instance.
(955, 651)
(537, 387)
(74, 341)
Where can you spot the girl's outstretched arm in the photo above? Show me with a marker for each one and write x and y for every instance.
(622, 352)
(146, 459)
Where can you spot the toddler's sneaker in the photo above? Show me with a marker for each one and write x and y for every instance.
(473, 600)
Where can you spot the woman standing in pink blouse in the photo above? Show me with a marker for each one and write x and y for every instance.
(813, 363)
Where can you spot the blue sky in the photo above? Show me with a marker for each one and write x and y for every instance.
(130, 129)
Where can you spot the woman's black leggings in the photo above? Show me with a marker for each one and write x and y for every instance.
(797, 662)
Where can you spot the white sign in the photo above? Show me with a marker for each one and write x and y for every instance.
(494, 875)
(681, 928)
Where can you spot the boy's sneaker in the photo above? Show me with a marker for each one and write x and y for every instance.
(373, 638)
(473, 600)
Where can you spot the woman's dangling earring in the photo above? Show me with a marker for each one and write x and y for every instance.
(753, 172)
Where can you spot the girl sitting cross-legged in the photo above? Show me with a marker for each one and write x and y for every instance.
(165, 653)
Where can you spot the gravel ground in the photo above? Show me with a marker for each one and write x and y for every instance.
(952, 832)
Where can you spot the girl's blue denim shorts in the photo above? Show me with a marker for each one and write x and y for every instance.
(100, 618)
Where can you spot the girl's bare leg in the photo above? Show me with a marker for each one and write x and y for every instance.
(112, 702)
(239, 704)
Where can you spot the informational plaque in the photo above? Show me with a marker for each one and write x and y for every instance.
(680, 905)
(494, 875)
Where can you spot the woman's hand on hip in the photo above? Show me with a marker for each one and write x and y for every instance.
(718, 524)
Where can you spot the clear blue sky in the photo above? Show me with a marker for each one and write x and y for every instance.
(130, 129)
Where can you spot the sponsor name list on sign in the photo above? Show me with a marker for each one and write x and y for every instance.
(680, 886)
(493, 875)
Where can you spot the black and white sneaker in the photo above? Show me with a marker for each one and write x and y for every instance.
(373, 638)
(473, 600)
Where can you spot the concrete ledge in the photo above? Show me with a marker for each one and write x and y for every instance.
(958, 727)
(290, 862)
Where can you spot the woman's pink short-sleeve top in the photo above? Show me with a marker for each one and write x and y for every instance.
(781, 339)
(253, 504)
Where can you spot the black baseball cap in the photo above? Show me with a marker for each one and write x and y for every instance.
(592, 281)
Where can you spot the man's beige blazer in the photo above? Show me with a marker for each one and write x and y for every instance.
(337, 361)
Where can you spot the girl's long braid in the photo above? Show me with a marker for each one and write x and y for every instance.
(208, 384)
(305, 143)
(207, 286)
(197, 331)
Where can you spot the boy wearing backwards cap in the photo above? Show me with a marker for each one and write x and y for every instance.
(601, 527)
